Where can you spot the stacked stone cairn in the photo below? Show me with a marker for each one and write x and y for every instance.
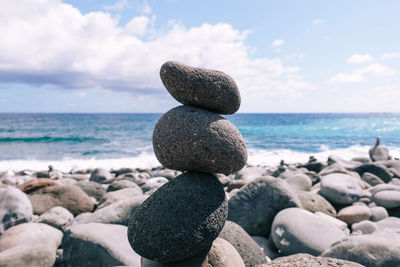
(178, 224)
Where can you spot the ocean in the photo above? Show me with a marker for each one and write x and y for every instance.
(66, 141)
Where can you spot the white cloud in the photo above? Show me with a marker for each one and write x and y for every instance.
(295, 55)
(145, 8)
(137, 25)
(118, 6)
(377, 70)
(347, 78)
(391, 55)
(359, 75)
(359, 58)
(277, 43)
(49, 42)
(318, 21)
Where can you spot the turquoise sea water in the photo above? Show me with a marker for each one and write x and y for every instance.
(126, 138)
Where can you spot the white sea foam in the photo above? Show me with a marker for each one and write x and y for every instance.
(273, 157)
(144, 160)
(148, 160)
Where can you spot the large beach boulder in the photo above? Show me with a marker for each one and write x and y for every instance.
(184, 217)
(98, 244)
(295, 230)
(371, 179)
(193, 139)
(68, 196)
(247, 247)
(255, 205)
(307, 260)
(340, 188)
(204, 88)
(116, 213)
(378, 213)
(29, 244)
(15, 208)
(381, 248)
(221, 254)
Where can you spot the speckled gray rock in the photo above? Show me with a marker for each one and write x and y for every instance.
(116, 213)
(68, 196)
(314, 202)
(15, 208)
(194, 139)
(29, 244)
(221, 254)
(248, 249)
(295, 230)
(307, 260)
(205, 88)
(340, 188)
(255, 205)
(182, 218)
(381, 248)
(97, 245)
(57, 217)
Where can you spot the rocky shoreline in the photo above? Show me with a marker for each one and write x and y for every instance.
(344, 209)
(204, 206)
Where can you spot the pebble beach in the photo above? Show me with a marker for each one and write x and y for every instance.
(205, 205)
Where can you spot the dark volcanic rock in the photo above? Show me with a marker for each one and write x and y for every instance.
(194, 139)
(208, 89)
(248, 249)
(180, 219)
(68, 196)
(256, 204)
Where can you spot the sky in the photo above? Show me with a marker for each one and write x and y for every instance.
(285, 56)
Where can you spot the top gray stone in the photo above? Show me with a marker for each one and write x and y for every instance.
(205, 88)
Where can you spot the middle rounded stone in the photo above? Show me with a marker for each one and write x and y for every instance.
(192, 139)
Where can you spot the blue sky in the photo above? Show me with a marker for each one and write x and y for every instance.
(286, 56)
